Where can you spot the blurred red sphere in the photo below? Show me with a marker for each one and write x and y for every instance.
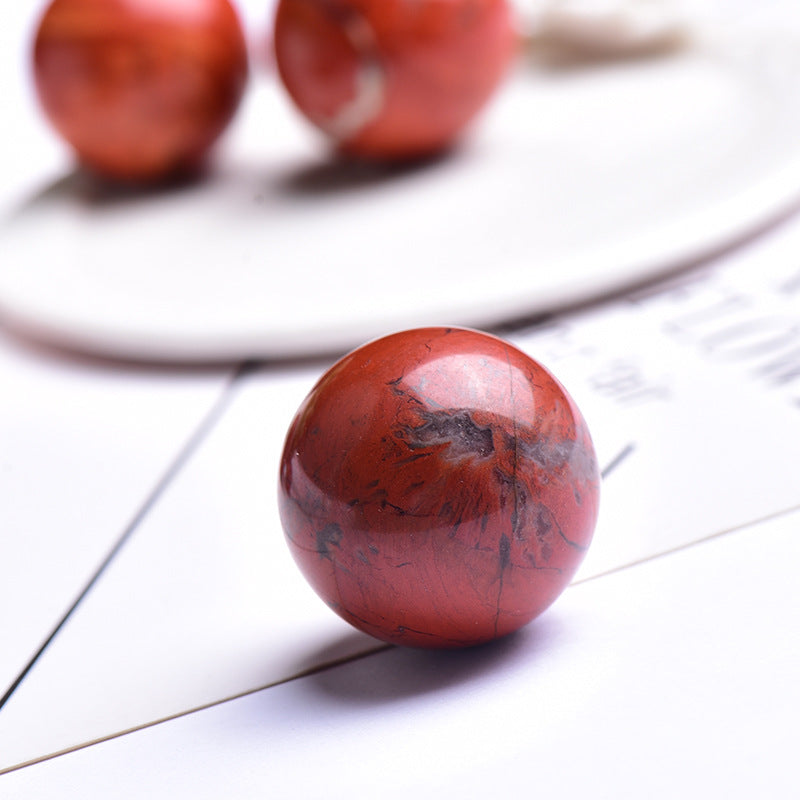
(392, 79)
(438, 488)
(140, 89)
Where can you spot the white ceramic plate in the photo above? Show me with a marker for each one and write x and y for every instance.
(577, 183)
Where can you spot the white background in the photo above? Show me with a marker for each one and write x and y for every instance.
(668, 668)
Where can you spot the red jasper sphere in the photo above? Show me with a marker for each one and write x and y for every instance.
(438, 488)
(140, 89)
(392, 79)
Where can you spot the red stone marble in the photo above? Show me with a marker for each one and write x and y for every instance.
(438, 488)
(392, 79)
(140, 89)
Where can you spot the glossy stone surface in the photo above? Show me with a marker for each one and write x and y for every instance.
(140, 89)
(438, 488)
(392, 79)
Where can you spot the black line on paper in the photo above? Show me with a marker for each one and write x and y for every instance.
(617, 460)
(380, 647)
(688, 545)
(307, 673)
(183, 456)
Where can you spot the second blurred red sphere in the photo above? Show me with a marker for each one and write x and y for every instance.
(140, 89)
(392, 79)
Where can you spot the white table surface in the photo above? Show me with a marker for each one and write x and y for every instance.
(157, 640)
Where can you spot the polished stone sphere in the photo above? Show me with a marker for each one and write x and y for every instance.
(140, 89)
(392, 79)
(438, 488)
